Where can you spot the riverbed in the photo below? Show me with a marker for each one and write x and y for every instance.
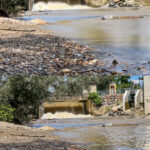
(120, 133)
(125, 40)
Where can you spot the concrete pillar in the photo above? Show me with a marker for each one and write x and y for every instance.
(93, 88)
(147, 94)
(138, 98)
(41, 110)
(30, 4)
(85, 93)
(89, 106)
(125, 99)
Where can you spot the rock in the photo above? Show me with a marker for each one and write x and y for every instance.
(65, 70)
(108, 17)
(38, 21)
(111, 17)
(111, 113)
(107, 125)
(115, 109)
(120, 107)
(103, 110)
(47, 128)
(114, 62)
(92, 62)
(127, 112)
(115, 1)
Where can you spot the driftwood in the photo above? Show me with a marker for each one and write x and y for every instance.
(18, 30)
(120, 17)
(27, 135)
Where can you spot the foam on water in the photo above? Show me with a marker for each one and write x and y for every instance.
(41, 6)
(60, 115)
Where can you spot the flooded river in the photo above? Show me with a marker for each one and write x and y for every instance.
(127, 133)
(127, 41)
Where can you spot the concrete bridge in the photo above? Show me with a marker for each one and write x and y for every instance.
(76, 105)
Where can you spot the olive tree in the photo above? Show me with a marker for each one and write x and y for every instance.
(24, 94)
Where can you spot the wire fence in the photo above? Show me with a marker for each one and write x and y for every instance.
(69, 96)
(118, 91)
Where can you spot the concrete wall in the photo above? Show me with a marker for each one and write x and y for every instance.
(138, 98)
(125, 99)
(30, 4)
(147, 94)
(93, 88)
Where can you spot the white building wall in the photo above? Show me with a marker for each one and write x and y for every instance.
(147, 94)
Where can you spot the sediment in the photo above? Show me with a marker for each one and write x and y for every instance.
(20, 137)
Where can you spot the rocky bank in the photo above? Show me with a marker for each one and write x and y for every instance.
(25, 49)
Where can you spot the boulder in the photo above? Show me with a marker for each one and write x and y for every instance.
(103, 110)
(127, 112)
(65, 70)
(107, 125)
(92, 62)
(115, 109)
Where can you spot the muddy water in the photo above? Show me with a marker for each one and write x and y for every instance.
(128, 41)
(128, 133)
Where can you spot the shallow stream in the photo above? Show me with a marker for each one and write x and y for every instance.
(127, 41)
(128, 133)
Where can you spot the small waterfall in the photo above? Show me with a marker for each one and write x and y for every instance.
(41, 6)
(60, 115)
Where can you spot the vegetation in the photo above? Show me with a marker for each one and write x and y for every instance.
(6, 113)
(95, 98)
(11, 7)
(23, 94)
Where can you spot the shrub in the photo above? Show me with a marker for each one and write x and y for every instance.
(95, 98)
(6, 113)
(11, 7)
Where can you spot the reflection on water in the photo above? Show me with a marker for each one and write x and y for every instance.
(89, 133)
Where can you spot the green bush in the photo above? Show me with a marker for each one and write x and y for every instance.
(95, 98)
(6, 113)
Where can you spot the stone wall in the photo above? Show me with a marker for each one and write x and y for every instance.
(111, 100)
